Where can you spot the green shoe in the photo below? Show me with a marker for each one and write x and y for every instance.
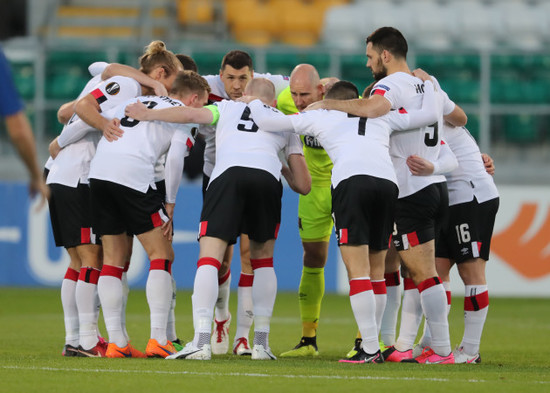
(177, 344)
(307, 347)
(356, 348)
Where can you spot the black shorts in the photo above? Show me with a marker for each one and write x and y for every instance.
(205, 180)
(242, 200)
(421, 216)
(469, 231)
(70, 215)
(118, 209)
(362, 209)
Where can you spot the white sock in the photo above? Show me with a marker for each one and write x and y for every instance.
(70, 310)
(264, 292)
(426, 339)
(245, 308)
(205, 293)
(109, 289)
(434, 306)
(388, 327)
(222, 302)
(86, 292)
(380, 299)
(171, 334)
(125, 293)
(411, 316)
(159, 296)
(476, 307)
(363, 305)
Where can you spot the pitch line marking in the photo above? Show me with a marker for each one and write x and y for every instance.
(262, 375)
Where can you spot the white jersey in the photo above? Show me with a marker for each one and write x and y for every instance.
(131, 160)
(79, 140)
(470, 178)
(355, 145)
(218, 93)
(240, 142)
(406, 91)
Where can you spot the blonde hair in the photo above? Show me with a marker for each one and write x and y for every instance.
(156, 55)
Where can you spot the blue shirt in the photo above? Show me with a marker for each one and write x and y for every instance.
(10, 101)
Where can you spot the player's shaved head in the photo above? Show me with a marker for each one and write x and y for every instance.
(305, 86)
(261, 88)
(305, 72)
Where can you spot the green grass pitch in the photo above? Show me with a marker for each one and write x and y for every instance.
(515, 353)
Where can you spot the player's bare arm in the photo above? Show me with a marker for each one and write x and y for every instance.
(176, 114)
(457, 117)
(374, 106)
(65, 112)
(297, 175)
(115, 69)
(88, 110)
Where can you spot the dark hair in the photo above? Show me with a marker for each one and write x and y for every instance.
(342, 90)
(190, 82)
(390, 39)
(237, 59)
(187, 62)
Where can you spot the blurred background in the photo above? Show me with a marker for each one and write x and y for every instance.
(492, 57)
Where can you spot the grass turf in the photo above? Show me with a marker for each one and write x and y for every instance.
(515, 353)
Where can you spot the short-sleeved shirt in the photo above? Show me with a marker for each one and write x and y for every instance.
(10, 101)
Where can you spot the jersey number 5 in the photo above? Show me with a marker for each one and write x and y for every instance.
(247, 124)
(431, 140)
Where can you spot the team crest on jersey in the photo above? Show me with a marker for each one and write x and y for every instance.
(112, 88)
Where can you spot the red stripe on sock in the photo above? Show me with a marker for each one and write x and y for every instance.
(392, 279)
(89, 275)
(209, 261)
(71, 274)
(85, 235)
(477, 302)
(223, 279)
(114, 271)
(430, 282)
(246, 280)
(259, 263)
(358, 286)
(448, 293)
(379, 287)
(161, 264)
(408, 283)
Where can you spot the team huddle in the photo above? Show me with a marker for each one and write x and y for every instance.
(395, 173)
